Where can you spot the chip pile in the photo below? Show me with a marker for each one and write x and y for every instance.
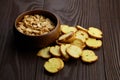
(74, 42)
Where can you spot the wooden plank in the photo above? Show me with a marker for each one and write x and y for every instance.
(15, 64)
(109, 19)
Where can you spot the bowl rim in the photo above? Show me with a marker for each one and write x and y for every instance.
(26, 12)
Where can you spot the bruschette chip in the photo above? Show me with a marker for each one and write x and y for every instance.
(44, 53)
(74, 51)
(54, 65)
(88, 56)
(93, 43)
(67, 38)
(55, 51)
(81, 28)
(82, 35)
(67, 29)
(95, 32)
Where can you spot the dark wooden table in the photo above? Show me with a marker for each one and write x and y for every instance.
(18, 64)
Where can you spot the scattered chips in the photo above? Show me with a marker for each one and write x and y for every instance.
(72, 43)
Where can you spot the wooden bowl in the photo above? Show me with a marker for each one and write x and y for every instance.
(27, 41)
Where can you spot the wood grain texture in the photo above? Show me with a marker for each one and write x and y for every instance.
(17, 64)
(109, 19)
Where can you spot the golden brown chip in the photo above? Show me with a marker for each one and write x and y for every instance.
(67, 29)
(93, 43)
(88, 56)
(55, 51)
(95, 32)
(67, 38)
(74, 51)
(54, 65)
(81, 28)
(44, 53)
(82, 35)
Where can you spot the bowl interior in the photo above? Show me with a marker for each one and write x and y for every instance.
(44, 13)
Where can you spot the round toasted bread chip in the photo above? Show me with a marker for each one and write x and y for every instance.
(54, 65)
(44, 53)
(81, 28)
(95, 32)
(55, 51)
(79, 43)
(93, 43)
(67, 38)
(88, 56)
(50, 67)
(63, 51)
(58, 61)
(74, 51)
(82, 35)
(66, 29)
